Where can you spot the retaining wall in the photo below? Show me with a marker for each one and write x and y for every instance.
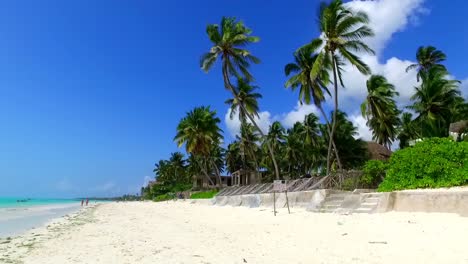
(443, 201)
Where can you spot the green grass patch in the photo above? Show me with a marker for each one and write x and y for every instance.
(204, 195)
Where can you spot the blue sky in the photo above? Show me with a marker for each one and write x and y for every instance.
(91, 91)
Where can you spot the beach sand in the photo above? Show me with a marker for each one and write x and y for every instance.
(180, 232)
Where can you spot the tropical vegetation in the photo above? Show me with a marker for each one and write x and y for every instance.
(327, 144)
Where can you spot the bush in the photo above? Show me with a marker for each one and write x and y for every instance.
(431, 163)
(204, 195)
(373, 173)
(164, 197)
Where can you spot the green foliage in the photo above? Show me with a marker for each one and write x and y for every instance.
(164, 197)
(204, 195)
(373, 173)
(432, 163)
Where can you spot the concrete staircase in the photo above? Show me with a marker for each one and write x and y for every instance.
(350, 202)
(332, 203)
(369, 203)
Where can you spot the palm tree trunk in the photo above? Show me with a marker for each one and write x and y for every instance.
(205, 171)
(218, 174)
(335, 82)
(333, 141)
(228, 85)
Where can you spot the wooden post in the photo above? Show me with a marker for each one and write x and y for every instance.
(287, 201)
(274, 203)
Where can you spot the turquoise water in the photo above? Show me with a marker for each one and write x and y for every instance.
(11, 202)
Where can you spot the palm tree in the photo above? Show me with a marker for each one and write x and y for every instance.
(178, 166)
(199, 131)
(408, 130)
(304, 60)
(380, 110)
(229, 41)
(434, 100)
(248, 140)
(341, 33)
(233, 159)
(246, 97)
(353, 151)
(294, 150)
(427, 57)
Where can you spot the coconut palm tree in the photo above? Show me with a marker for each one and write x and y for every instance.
(342, 31)
(380, 110)
(178, 166)
(233, 159)
(408, 130)
(247, 97)
(310, 130)
(229, 40)
(248, 140)
(433, 101)
(294, 150)
(199, 131)
(309, 89)
(352, 150)
(427, 57)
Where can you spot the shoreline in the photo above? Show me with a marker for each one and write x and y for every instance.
(186, 232)
(15, 221)
(15, 247)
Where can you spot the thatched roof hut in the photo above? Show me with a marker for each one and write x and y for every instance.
(459, 127)
(377, 151)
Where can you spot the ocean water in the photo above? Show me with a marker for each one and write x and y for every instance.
(12, 202)
(18, 215)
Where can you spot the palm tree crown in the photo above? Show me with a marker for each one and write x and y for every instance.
(427, 57)
(229, 40)
(246, 96)
(380, 110)
(198, 131)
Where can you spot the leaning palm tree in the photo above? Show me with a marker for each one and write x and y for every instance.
(199, 131)
(380, 110)
(427, 57)
(247, 97)
(342, 31)
(229, 41)
(315, 90)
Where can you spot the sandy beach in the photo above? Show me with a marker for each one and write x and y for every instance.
(180, 232)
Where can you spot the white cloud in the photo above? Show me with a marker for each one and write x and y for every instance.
(387, 17)
(298, 114)
(266, 119)
(233, 125)
(363, 130)
(464, 88)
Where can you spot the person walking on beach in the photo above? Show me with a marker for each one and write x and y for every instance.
(82, 201)
(87, 201)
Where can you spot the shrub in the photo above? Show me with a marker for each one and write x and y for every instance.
(373, 173)
(164, 197)
(204, 195)
(431, 163)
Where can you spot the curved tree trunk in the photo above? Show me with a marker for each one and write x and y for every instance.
(333, 141)
(204, 172)
(332, 133)
(229, 86)
(218, 174)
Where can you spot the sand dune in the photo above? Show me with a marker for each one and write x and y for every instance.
(178, 232)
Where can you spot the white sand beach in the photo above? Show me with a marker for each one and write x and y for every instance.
(180, 232)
